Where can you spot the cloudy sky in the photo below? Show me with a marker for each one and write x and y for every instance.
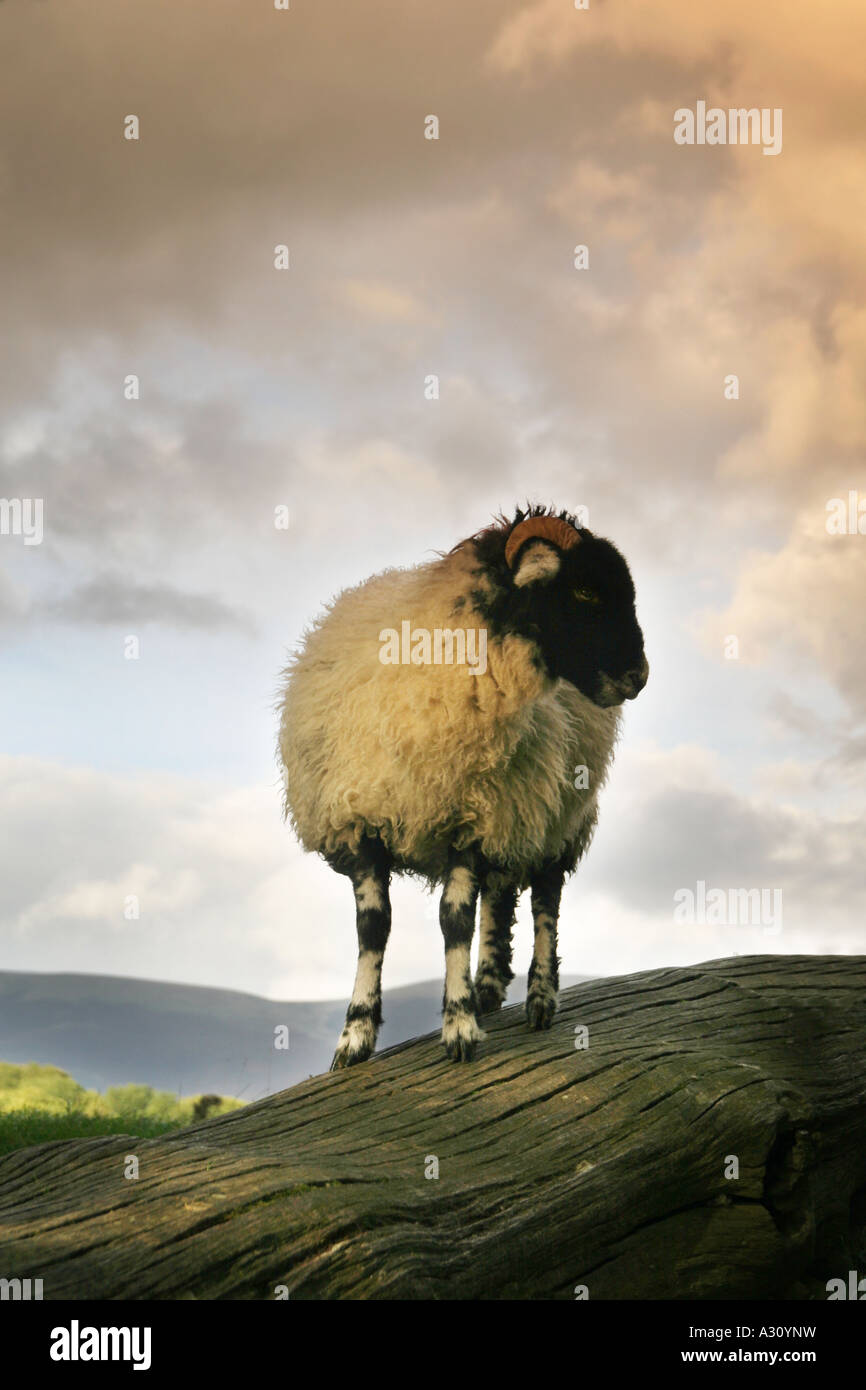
(602, 387)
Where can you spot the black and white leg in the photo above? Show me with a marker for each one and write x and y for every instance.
(460, 1030)
(543, 981)
(371, 876)
(494, 973)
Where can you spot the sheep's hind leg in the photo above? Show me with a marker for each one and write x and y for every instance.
(494, 973)
(370, 880)
(543, 980)
(460, 1030)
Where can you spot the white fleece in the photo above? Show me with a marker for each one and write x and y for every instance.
(433, 756)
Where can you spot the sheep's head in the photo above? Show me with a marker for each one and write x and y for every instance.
(571, 594)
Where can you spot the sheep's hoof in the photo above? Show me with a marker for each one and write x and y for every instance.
(356, 1044)
(344, 1058)
(540, 1009)
(490, 997)
(460, 1037)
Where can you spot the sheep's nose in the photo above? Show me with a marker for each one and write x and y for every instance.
(634, 681)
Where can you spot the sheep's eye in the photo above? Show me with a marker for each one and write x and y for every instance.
(586, 596)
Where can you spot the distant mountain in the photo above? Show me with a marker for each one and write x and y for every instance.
(106, 1030)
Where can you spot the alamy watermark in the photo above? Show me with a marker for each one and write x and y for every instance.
(729, 907)
(77, 1343)
(737, 126)
(854, 1289)
(20, 1290)
(846, 516)
(446, 646)
(22, 516)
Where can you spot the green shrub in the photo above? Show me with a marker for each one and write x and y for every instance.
(39, 1103)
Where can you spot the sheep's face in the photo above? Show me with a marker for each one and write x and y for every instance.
(588, 632)
(577, 606)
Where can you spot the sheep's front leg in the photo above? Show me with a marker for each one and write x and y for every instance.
(494, 973)
(543, 980)
(370, 882)
(460, 1030)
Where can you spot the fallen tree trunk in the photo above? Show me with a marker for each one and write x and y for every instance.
(709, 1141)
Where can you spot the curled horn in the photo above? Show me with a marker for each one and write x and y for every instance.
(541, 528)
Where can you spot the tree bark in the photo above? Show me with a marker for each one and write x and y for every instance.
(709, 1141)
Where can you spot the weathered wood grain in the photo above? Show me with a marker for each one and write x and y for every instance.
(558, 1167)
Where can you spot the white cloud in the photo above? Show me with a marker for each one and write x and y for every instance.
(227, 897)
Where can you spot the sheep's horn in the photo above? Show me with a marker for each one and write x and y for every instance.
(542, 528)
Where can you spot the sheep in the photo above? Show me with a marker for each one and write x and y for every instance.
(456, 721)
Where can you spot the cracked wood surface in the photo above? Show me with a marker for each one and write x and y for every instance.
(558, 1167)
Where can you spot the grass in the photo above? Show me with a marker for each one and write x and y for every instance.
(41, 1103)
(21, 1128)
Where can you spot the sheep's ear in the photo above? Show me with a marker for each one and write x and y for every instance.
(537, 563)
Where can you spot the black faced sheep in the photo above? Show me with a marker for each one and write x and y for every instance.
(434, 723)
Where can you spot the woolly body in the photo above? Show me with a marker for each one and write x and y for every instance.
(433, 757)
